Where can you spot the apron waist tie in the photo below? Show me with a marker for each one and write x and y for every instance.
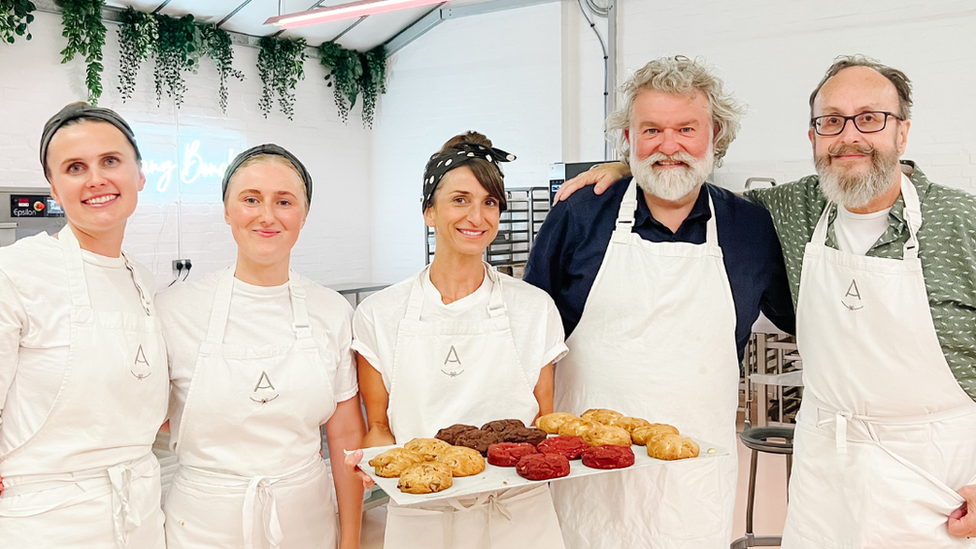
(495, 506)
(260, 493)
(841, 418)
(125, 521)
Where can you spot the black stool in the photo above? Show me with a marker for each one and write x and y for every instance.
(758, 441)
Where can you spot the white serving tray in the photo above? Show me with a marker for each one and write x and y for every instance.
(499, 478)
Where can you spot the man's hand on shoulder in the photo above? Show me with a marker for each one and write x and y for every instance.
(601, 175)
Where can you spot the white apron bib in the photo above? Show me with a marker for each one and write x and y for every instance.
(254, 409)
(447, 372)
(657, 341)
(87, 478)
(885, 434)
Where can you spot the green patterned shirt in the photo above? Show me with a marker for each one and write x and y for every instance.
(947, 248)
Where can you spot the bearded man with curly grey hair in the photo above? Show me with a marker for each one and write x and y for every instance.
(659, 281)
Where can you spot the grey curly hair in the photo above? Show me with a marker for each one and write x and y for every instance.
(677, 75)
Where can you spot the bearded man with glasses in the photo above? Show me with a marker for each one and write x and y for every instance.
(885, 447)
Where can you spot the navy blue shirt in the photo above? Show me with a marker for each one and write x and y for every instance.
(569, 250)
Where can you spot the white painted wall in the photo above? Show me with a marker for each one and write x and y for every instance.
(188, 223)
(772, 53)
(532, 80)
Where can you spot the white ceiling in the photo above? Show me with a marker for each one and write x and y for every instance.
(373, 30)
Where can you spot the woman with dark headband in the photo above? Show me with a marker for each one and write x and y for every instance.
(83, 379)
(461, 343)
(259, 359)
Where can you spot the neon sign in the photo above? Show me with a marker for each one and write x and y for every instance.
(187, 161)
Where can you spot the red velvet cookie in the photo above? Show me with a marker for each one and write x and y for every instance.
(608, 457)
(542, 466)
(571, 447)
(508, 454)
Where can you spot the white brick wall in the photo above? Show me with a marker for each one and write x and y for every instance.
(334, 245)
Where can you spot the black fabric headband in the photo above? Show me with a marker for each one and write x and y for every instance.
(442, 162)
(75, 111)
(272, 149)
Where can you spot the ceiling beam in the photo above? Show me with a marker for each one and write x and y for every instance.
(233, 13)
(438, 15)
(161, 6)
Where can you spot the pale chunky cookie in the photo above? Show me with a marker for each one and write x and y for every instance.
(430, 448)
(426, 478)
(670, 447)
(601, 435)
(463, 461)
(642, 434)
(551, 423)
(602, 415)
(393, 461)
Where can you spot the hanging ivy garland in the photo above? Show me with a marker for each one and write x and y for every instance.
(217, 46)
(174, 54)
(85, 31)
(352, 72)
(373, 82)
(280, 65)
(15, 15)
(138, 34)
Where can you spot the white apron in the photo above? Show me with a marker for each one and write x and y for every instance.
(468, 371)
(885, 434)
(657, 341)
(255, 408)
(87, 478)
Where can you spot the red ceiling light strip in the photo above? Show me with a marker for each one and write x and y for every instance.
(345, 11)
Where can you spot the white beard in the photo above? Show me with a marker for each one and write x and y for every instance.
(856, 191)
(673, 183)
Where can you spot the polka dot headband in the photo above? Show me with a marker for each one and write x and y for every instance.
(442, 162)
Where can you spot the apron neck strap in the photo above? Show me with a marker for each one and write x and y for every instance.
(77, 284)
(628, 210)
(912, 213)
(496, 302)
(301, 324)
(221, 308)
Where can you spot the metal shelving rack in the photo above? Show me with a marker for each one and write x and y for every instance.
(517, 229)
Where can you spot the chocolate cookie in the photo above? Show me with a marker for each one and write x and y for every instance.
(450, 434)
(478, 439)
(504, 427)
(530, 435)
(608, 457)
(508, 454)
(570, 447)
(542, 466)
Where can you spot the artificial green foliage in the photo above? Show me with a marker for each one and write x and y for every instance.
(83, 27)
(351, 73)
(216, 44)
(373, 81)
(280, 65)
(138, 34)
(15, 15)
(174, 54)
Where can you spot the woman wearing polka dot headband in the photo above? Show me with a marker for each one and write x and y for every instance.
(461, 343)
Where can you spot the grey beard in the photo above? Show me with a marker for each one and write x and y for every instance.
(856, 191)
(671, 184)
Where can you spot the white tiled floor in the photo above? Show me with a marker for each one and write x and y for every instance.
(770, 510)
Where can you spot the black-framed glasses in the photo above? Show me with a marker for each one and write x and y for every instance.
(865, 122)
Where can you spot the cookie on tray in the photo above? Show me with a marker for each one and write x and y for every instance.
(426, 478)
(393, 462)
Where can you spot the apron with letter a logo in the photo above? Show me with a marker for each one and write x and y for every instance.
(250, 473)
(885, 434)
(464, 371)
(656, 341)
(82, 480)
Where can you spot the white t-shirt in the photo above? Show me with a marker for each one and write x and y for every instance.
(259, 315)
(857, 233)
(536, 325)
(35, 325)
